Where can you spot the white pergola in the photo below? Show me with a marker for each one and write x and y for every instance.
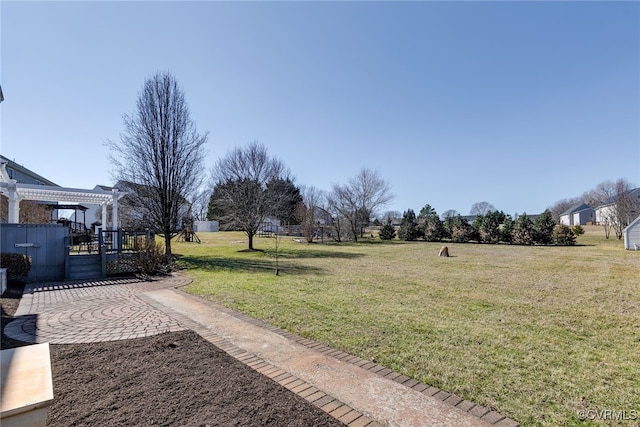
(17, 192)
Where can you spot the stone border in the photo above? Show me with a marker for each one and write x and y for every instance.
(333, 407)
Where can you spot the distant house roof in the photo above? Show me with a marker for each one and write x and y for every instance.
(103, 187)
(577, 208)
(22, 174)
(611, 200)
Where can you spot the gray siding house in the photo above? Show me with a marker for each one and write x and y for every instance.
(581, 214)
(632, 235)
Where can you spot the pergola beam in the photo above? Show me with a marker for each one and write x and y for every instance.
(16, 192)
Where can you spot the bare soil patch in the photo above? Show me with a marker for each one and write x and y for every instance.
(175, 378)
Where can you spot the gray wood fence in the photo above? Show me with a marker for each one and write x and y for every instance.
(44, 243)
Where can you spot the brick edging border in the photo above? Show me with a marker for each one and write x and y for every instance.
(327, 403)
(306, 390)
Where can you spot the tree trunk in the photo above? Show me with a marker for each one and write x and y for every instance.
(167, 244)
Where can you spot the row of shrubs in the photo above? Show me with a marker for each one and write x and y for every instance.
(492, 227)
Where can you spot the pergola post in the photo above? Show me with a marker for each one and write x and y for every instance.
(114, 217)
(114, 207)
(104, 206)
(14, 202)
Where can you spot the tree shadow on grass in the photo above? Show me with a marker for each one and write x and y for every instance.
(306, 253)
(246, 265)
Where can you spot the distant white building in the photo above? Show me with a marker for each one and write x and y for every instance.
(206, 226)
(606, 213)
(269, 225)
(581, 214)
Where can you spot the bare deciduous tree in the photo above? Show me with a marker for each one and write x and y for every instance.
(481, 208)
(561, 206)
(340, 224)
(160, 153)
(200, 203)
(618, 205)
(240, 196)
(448, 214)
(309, 211)
(360, 198)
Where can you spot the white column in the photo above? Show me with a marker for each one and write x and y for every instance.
(104, 205)
(114, 218)
(14, 202)
(115, 209)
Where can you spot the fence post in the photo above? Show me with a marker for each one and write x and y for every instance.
(119, 239)
(67, 258)
(103, 261)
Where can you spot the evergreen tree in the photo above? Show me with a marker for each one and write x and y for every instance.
(563, 235)
(427, 211)
(488, 226)
(523, 231)
(543, 228)
(506, 231)
(433, 228)
(577, 230)
(461, 230)
(388, 231)
(409, 226)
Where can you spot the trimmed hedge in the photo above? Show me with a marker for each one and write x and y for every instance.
(17, 265)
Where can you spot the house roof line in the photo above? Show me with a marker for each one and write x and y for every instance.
(577, 208)
(613, 199)
(632, 223)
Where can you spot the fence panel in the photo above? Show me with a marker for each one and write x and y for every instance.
(44, 243)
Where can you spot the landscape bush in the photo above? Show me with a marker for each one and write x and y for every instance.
(152, 260)
(17, 265)
(577, 230)
(563, 235)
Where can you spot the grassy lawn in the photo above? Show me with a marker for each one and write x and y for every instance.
(536, 333)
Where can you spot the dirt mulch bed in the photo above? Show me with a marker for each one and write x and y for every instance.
(173, 379)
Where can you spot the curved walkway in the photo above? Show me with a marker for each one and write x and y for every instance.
(355, 391)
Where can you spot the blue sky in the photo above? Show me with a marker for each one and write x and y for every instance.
(519, 104)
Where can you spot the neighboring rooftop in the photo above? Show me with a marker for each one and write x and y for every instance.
(22, 174)
(577, 208)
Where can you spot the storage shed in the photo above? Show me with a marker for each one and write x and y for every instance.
(206, 226)
(632, 235)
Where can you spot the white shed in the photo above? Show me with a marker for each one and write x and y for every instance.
(206, 226)
(632, 235)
